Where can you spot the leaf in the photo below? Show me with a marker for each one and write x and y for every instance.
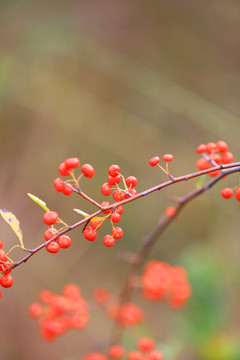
(39, 202)
(200, 181)
(13, 222)
(96, 218)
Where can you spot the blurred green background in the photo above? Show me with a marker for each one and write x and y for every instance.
(120, 82)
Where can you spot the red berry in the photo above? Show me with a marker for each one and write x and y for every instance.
(227, 157)
(58, 184)
(50, 233)
(95, 225)
(88, 170)
(3, 256)
(201, 149)
(90, 234)
(67, 189)
(227, 193)
(108, 240)
(216, 157)
(106, 203)
(119, 209)
(114, 170)
(1, 244)
(101, 295)
(50, 217)
(154, 161)
(135, 355)
(222, 146)
(117, 232)
(115, 217)
(64, 241)
(5, 267)
(72, 163)
(6, 281)
(146, 344)
(167, 157)
(106, 189)
(63, 170)
(114, 180)
(118, 195)
(53, 247)
(203, 164)
(210, 147)
(35, 310)
(131, 181)
(170, 211)
(155, 355)
(130, 193)
(237, 194)
(116, 352)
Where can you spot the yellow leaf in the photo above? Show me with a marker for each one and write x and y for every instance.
(96, 218)
(13, 222)
(39, 202)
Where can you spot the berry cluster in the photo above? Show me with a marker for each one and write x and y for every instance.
(60, 312)
(161, 282)
(125, 315)
(146, 351)
(213, 154)
(6, 280)
(66, 169)
(63, 241)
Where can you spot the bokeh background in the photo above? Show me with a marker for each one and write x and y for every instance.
(120, 82)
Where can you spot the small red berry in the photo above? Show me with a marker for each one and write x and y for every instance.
(116, 351)
(95, 225)
(131, 181)
(58, 184)
(50, 233)
(222, 146)
(53, 247)
(106, 189)
(155, 355)
(146, 344)
(115, 217)
(3, 256)
(88, 170)
(72, 163)
(154, 161)
(101, 295)
(167, 157)
(67, 189)
(64, 241)
(135, 355)
(227, 157)
(210, 147)
(90, 234)
(201, 149)
(1, 244)
(118, 195)
(203, 164)
(35, 310)
(114, 180)
(108, 240)
(119, 209)
(114, 170)
(6, 281)
(227, 193)
(63, 170)
(50, 217)
(106, 203)
(237, 194)
(130, 193)
(117, 232)
(170, 211)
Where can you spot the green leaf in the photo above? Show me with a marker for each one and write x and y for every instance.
(13, 222)
(39, 202)
(200, 181)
